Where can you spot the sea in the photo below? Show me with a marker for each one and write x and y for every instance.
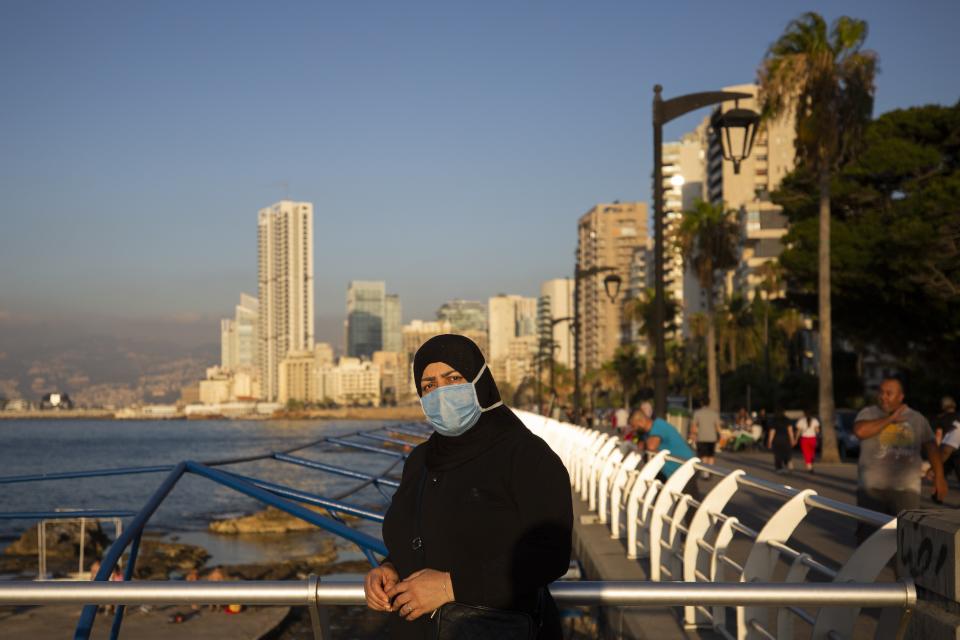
(39, 446)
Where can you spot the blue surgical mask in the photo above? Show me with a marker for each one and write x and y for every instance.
(453, 409)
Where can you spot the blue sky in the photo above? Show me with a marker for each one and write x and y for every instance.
(448, 147)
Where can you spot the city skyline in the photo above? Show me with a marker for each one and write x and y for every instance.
(127, 177)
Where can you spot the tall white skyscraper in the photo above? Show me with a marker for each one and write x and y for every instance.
(684, 182)
(285, 275)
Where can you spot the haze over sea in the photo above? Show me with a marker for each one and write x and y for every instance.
(39, 446)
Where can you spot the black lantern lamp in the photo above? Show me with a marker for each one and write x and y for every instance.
(612, 286)
(737, 128)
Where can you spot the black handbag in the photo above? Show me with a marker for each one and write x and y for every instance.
(458, 621)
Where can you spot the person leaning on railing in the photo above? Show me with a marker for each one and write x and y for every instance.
(657, 434)
(482, 520)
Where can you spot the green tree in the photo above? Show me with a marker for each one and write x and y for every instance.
(790, 323)
(642, 310)
(824, 80)
(629, 368)
(896, 229)
(708, 236)
(737, 329)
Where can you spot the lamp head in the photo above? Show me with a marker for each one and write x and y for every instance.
(612, 286)
(737, 128)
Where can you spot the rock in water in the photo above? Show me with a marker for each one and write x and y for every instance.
(63, 548)
(270, 520)
(319, 563)
(157, 559)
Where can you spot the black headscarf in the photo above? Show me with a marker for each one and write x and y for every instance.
(462, 354)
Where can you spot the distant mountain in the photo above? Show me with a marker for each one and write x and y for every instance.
(105, 361)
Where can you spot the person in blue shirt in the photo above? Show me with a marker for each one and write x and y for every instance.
(657, 434)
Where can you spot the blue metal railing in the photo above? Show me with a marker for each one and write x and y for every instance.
(287, 499)
(329, 468)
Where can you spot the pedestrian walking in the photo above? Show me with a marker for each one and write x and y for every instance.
(620, 417)
(891, 437)
(947, 420)
(945, 423)
(781, 439)
(704, 430)
(808, 428)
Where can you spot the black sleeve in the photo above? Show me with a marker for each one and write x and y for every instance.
(542, 489)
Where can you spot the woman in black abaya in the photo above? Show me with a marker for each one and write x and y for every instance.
(483, 513)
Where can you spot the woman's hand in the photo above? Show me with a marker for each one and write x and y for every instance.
(375, 586)
(424, 591)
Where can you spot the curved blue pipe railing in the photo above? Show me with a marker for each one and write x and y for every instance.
(287, 499)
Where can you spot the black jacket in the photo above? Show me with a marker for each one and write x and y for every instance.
(499, 522)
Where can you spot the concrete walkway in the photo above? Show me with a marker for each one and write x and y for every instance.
(49, 623)
(603, 558)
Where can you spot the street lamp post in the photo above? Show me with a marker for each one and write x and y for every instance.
(611, 285)
(735, 148)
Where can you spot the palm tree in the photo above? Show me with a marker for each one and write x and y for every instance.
(628, 368)
(708, 237)
(642, 310)
(737, 331)
(824, 80)
(791, 322)
(772, 278)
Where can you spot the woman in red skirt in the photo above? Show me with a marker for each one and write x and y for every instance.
(808, 427)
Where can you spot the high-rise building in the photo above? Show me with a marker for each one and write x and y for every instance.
(607, 237)
(464, 315)
(309, 376)
(238, 336)
(684, 176)
(556, 301)
(296, 377)
(638, 286)
(228, 344)
(511, 317)
(417, 332)
(366, 308)
(763, 224)
(285, 279)
(396, 386)
(392, 324)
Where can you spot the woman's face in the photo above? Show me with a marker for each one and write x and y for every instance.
(439, 374)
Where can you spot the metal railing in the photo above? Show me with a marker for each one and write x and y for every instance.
(686, 539)
(287, 499)
(80, 516)
(317, 594)
(350, 592)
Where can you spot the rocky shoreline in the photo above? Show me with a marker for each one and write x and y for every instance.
(164, 560)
